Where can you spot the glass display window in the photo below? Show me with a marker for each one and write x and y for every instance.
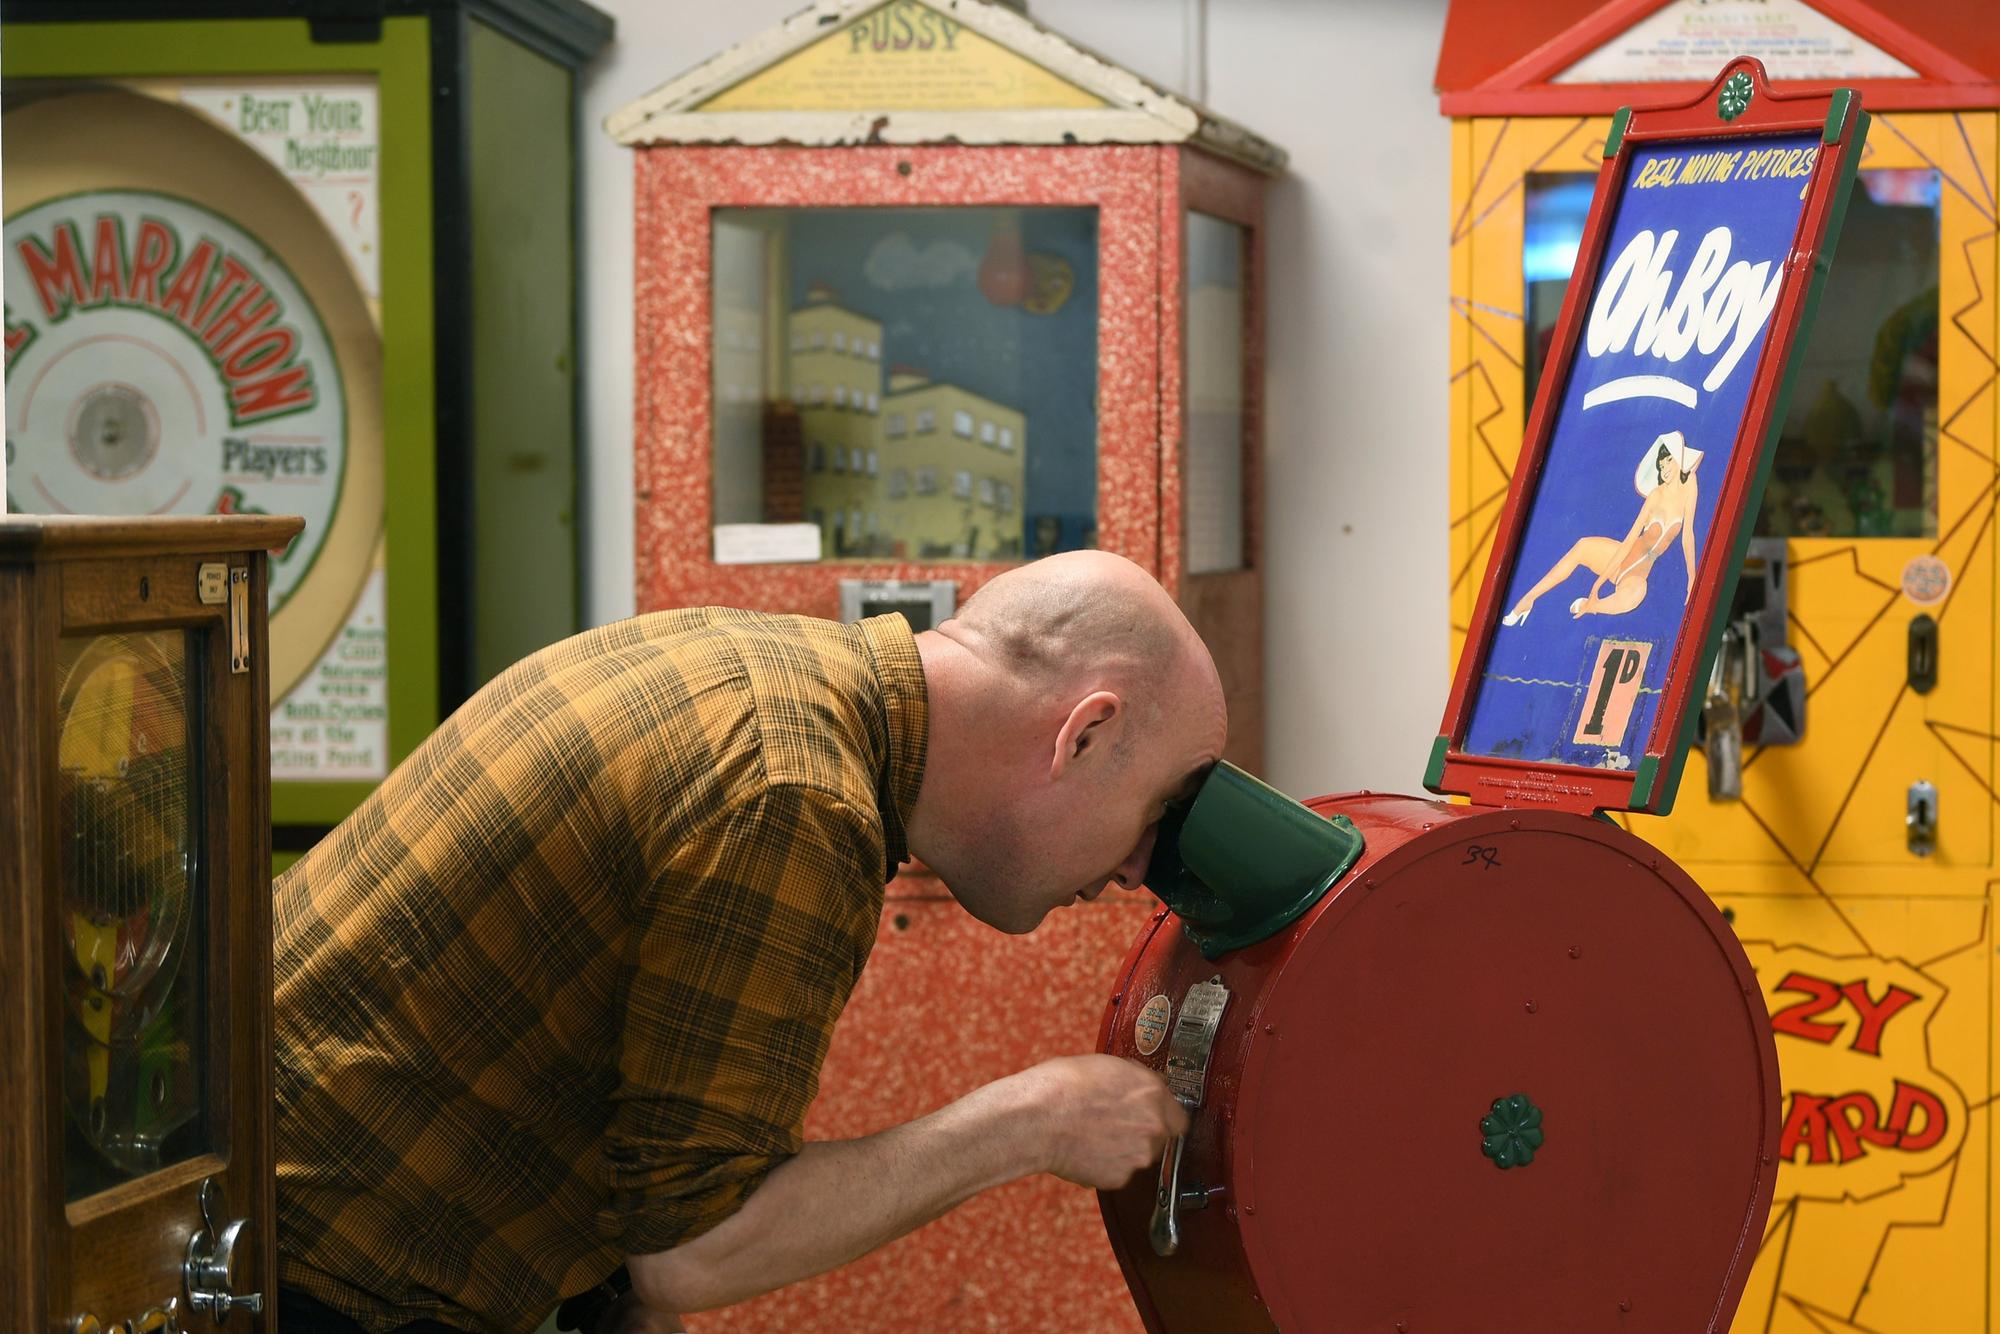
(900, 343)
(1216, 250)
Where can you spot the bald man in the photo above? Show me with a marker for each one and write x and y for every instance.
(557, 995)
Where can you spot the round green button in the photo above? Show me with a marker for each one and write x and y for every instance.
(1511, 1132)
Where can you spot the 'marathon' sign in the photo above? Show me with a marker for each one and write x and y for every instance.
(161, 360)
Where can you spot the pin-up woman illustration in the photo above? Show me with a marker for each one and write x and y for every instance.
(1665, 480)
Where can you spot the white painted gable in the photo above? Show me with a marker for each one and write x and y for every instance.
(1687, 41)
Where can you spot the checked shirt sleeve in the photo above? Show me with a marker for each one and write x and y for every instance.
(742, 955)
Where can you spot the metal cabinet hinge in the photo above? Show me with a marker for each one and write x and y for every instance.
(239, 620)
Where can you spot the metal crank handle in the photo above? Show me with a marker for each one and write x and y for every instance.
(1166, 1229)
(1168, 1202)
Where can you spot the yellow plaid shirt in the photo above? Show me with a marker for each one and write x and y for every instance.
(559, 991)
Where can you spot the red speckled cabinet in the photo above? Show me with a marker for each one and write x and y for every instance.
(923, 292)
(1141, 196)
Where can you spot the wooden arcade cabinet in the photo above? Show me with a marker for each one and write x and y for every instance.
(135, 924)
(319, 260)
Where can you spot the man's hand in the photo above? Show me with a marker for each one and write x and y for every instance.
(1092, 1120)
(1106, 1117)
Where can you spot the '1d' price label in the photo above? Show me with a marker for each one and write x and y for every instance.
(1615, 682)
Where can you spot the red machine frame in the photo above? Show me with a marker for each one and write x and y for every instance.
(1650, 785)
(1138, 356)
(1953, 47)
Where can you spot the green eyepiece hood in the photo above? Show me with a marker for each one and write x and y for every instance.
(1242, 861)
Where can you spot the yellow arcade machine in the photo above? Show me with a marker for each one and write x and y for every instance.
(1848, 815)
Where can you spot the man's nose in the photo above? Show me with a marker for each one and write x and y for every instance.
(1132, 871)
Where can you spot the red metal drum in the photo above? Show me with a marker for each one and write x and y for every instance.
(1343, 1171)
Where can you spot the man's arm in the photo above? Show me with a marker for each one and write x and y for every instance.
(1092, 1120)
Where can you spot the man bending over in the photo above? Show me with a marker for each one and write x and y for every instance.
(557, 995)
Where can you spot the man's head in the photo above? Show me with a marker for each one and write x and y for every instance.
(1070, 702)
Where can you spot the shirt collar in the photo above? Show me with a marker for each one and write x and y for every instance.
(892, 649)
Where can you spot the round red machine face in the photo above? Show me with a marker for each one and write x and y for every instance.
(1512, 1073)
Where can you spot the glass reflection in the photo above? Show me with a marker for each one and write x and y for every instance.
(1215, 255)
(918, 384)
(132, 912)
(1857, 453)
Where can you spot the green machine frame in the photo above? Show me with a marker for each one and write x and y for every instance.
(477, 183)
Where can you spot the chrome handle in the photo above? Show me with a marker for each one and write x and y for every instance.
(1170, 1199)
(209, 1271)
(1166, 1229)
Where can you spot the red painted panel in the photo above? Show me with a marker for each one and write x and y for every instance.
(1498, 56)
(1471, 955)
(675, 190)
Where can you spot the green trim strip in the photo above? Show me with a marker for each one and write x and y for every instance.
(1434, 771)
(1836, 115)
(1646, 780)
(1614, 140)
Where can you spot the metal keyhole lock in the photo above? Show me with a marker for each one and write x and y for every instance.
(212, 1261)
(1732, 684)
(1920, 818)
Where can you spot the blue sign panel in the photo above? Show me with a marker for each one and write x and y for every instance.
(1622, 515)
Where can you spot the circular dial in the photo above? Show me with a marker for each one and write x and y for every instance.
(183, 336)
(198, 339)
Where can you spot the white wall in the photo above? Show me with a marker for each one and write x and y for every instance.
(1356, 337)
(656, 40)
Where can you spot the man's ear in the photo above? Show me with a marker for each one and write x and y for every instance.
(1091, 727)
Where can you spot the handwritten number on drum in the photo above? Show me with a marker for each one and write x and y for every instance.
(1478, 855)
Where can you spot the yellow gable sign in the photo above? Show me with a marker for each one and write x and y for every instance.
(904, 56)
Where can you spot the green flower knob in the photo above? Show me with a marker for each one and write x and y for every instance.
(1734, 99)
(1511, 1132)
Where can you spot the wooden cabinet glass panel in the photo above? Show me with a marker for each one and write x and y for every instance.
(135, 918)
(134, 979)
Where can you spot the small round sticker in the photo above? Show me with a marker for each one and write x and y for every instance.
(1926, 580)
(1149, 1030)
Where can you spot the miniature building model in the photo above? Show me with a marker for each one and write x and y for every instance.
(898, 466)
